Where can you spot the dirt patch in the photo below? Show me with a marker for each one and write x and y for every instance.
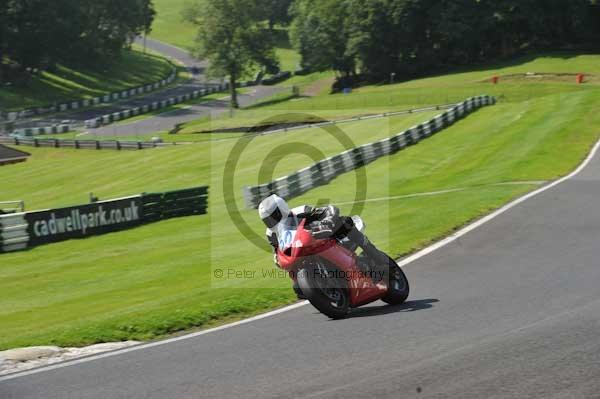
(261, 128)
(316, 88)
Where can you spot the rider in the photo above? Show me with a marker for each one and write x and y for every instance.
(325, 220)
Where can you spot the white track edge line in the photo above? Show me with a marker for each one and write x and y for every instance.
(401, 263)
(495, 214)
(151, 344)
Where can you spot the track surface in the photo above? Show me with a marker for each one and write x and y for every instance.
(169, 120)
(197, 82)
(164, 121)
(510, 310)
(176, 53)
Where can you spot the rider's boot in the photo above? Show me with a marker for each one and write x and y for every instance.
(380, 259)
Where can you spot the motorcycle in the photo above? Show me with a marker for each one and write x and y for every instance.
(331, 275)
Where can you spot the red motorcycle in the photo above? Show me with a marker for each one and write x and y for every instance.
(330, 273)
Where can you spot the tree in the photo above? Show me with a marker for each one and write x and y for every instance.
(413, 37)
(319, 32)
(3, 32)
(38, 34)
(277, 11)
(232, 38)
(103, 27)
(27, 34)
(376, 35)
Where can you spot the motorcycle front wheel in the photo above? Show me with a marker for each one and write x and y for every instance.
(328, 294)
(398, 285)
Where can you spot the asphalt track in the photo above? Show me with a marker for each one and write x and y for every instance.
(159, 122)
(176, 53)
(169, 120)
(510, 309)
(197, 82)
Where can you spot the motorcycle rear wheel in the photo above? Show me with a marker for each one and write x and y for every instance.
(329, 296)
(399, 288)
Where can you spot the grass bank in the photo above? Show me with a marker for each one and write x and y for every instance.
(444, 89)
(133, 69)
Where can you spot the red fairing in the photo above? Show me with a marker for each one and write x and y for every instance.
(362, 289)
(302, 245)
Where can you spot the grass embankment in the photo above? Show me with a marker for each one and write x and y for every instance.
(158, 279)
(455, 87)
(132, 69)
(514, 87)
(169, 14)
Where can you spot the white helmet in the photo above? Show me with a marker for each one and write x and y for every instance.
(273, 210)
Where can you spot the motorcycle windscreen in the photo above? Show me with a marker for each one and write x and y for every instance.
(286, 232)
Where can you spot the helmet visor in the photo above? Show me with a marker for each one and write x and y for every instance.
(274, 218)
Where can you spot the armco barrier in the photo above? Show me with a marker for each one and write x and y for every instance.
(78, 104)
(29, 229)
(128, 113)
(13, 232)
(81, 144)
(157, 206)
(156, 105)
(327, 169)
(36, 131)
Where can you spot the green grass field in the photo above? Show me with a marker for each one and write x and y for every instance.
(133, 69)
(169, 14)
(451, 88)
(456, 86)
(158, 279)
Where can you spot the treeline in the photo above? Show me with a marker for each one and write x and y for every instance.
(378, 38)
(38, 34)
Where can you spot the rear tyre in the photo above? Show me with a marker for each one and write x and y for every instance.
(329, 295)
(399, 288)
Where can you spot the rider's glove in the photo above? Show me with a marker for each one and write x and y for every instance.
(326, 228)
(276, 260)
(321, 234)
(322, 231)
(329, 224)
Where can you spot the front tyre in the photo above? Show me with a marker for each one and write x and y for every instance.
(329, 295)
(398, 285)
